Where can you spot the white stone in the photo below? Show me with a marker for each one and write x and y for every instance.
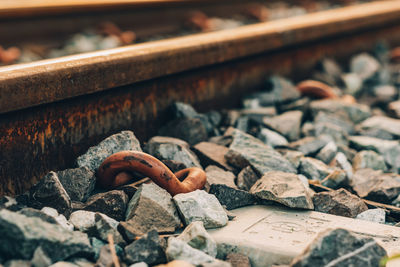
(273, 235)
(64, 222)
(50, 211)
(373, 215)
(83, 220)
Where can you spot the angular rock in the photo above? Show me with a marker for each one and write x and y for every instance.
(232, 198)
(105, 257)
(339, 247)
(353, 112)
(200, 206)
(373, 215)
(148, 249)
(257, 114)
(243, 123)
(327, 153)
(246, 150)
(238, 260)
(272, 138)
(21, 235)
(49, 192)
(169, 148)
(316, 170)
(212, 154)
(376, 186)
(60, 219)
(383, 123)
(394, 109)
(364, 65)
(337, 133)
(340, 120)
(311, 145)
(369, 159)
(83, 220)
(288, 124)
(196, 236)
(152, 207)
(182, 110)
(341, 162)
(105, 226)
(95, 155)
(179, 250)
(30, 212)
(292, 156)
(78, 183)
(339, 202)
(217, 175)
(112, 203)
(191, 130)
(284, 188)
(11, 203)
(40, 258)
(246, 178)
(353, 83)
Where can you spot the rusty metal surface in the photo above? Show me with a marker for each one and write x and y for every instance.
(50, 137)
(27, 85)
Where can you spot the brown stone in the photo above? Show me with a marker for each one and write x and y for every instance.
(339, 202)
(246, 178)
(212, 154)
(238, 260)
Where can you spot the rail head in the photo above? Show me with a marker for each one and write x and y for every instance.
(32, 84)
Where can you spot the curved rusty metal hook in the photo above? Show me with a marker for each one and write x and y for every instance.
(113, 172)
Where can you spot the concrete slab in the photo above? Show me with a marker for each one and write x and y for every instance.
(275, 235)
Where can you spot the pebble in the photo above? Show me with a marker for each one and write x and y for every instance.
(284, 188)
(212, 154)
(364, 65)
(232, 198)
(149, 249)
(369, 159)
(83, 220)
(169, 148)
(376, 186)
(340, 202)
(272, 138)
(200, 206)
(247, 150)
(125, 140)
(196, 236)
(287, 124)
(373, 215)
(327, 153)
(180, 250)
(112, 203)
(340, 247)
(152, 208)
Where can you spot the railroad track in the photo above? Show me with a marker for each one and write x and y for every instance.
(53, 110)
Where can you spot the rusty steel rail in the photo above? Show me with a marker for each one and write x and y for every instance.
(52, 111)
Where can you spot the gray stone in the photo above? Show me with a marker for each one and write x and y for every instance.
(376, 186)
(179, 250)
(217, 175)
(40, 258)
(148, 249)
(232, 198)
(288, 124)
(30, 212)
(50, 211)
(327, 153)
(83, 220)
(246, 150)
(78, 183)
(311, 145)
(385, 93)
(238, 260)
(383, 123)
(152, 207)
(369, 159)
(97, 245)
(341, 162)
(196, 236)
(105, 226)
(95, 155)
(339, 247)
(352, 82)
(191, 130)
(105, 257)
(21, 235)
(292, 156)
(272, 138)
(364, 65)
(11, 203)
(284, 188)
(353, 112)
(243, 123)
(60, 219)
(257, 114)
(212, 154)
(308, 129)
(340, 202)
(183, 110)
(169, 148)
(337, 133)
(347, 151)
(49, 192)
(373, 215)
(112, 203)
(246, 178)
(317, 170)
(139, 264)
(339, 119)
(200, 206)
